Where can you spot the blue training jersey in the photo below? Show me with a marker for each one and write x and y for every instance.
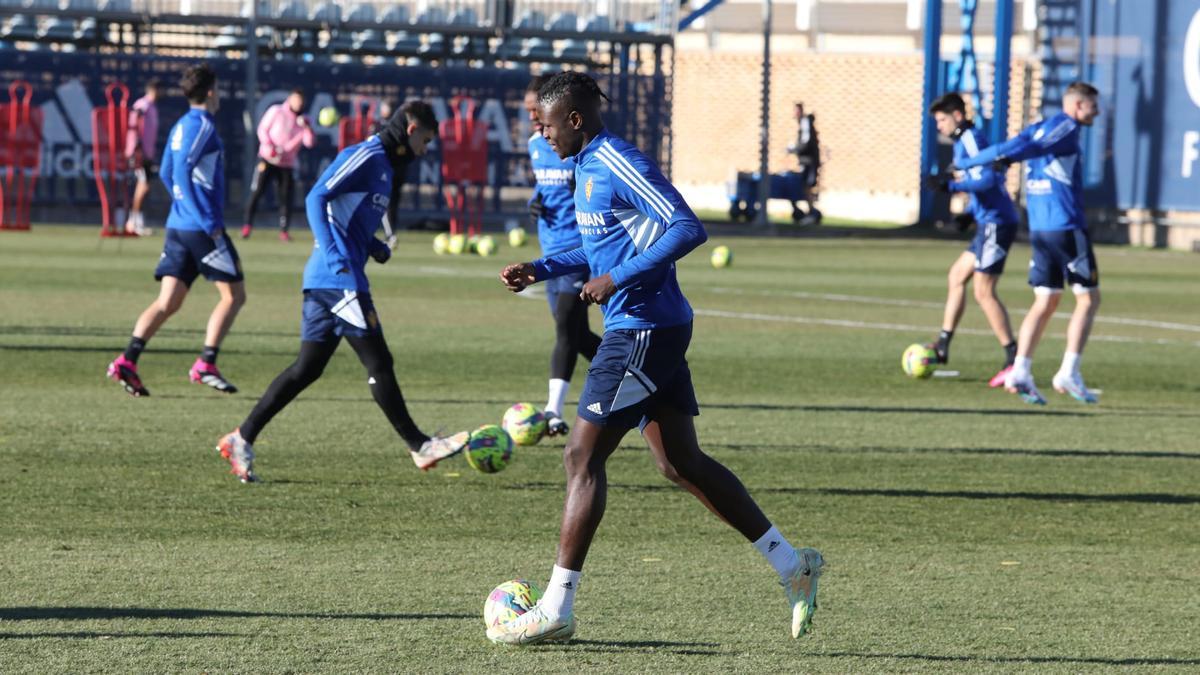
(634, 226)
(557, 231)
(1053, 172)
(193, 169)
(989, 201)
(345, 207)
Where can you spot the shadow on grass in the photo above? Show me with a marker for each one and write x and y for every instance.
(1131, 661)
(117, 349)
(1020, 452)
(104, 613)
(1003, 412)
(88, 635)
(123, 333)
(1125, 498)
(643, 646)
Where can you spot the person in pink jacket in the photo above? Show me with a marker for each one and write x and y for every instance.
(281, 132)
(141, 151)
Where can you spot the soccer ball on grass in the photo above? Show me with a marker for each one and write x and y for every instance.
(510, 600)
(525, 423)
(918, 361)
(489, 449)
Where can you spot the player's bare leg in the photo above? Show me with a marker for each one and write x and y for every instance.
(204, 370)
(123, 369)
(997, 317)
(171, 294)
(1068, 380)
(135, 223)
(653, 435)
(1020, 378)
(956, 300)
(584, 458)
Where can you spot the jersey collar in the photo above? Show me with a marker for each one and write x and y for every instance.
(592, 147)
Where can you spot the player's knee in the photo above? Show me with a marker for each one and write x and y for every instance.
(668, 470)
(984, 293)
(168, 306)
(237, 296)
(578, 460)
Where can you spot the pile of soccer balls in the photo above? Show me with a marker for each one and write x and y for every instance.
(490, 448)
(484, 245)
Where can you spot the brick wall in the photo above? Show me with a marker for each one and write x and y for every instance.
(867, 108)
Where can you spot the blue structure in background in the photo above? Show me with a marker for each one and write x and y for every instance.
(962, 76)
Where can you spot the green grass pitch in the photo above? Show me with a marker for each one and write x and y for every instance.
(964, 530)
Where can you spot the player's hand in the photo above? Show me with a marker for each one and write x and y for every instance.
(938, 182)
(381, 255)
(517, 277)
(1001, 165)
(302, 120)
(597, 291)
(391, 242)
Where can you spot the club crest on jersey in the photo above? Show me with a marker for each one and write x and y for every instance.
(587, 189)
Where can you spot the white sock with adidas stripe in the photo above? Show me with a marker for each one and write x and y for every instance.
(779, 552)
(559, 599)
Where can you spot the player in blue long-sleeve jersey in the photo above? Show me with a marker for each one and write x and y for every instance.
(996, 221)
(553, 209)
(345, 208)
(1058, 233)
(193, 169)
(634, 226)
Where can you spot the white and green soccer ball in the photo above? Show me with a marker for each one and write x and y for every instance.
(489, 449)
(509, 601)
(485, 246)
(918, 361)
(517, 237)
(525, 423)
(457, 244)
(721, 257)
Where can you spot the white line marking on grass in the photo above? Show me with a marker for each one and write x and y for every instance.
(895, 302)
(901, 327)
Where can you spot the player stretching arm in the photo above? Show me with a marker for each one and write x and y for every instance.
(1058, 233)
(345, 208)
(634, 225)
(997, 220)
(193, 171)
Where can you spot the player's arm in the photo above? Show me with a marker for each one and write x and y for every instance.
(306, 137)
(652, 195)
(316, 206)
(165, 168)
(189, 194)
(518, 276)
(1023, 146)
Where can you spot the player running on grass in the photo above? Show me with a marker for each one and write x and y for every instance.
(193, 169)
(345, 208)
(635, 225)
(553, 207)
(281, 132)
(997, 220)
(1058, 233)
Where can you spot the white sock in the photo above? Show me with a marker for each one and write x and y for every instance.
(558, 394)
(1022, 367)
(776, 549)
(559, 599)
(1070, 364)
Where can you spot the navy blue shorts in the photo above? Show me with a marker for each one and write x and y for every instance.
(329, 314)
(570, 283)
(1062, 256)
(990, 246)
(187, 254)
(636, 371)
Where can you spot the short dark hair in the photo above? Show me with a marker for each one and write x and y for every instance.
(580, 89)
(197, 81)
(297, 90)
(421, 113)
(152, 84)
(948, 104)
(536, 83)
(1082, 88)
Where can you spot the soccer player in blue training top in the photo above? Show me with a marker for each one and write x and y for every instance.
(1058, 233)
(553, 207)
(635, 225)
(345, 208)
(996, 219)
(193, 169)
